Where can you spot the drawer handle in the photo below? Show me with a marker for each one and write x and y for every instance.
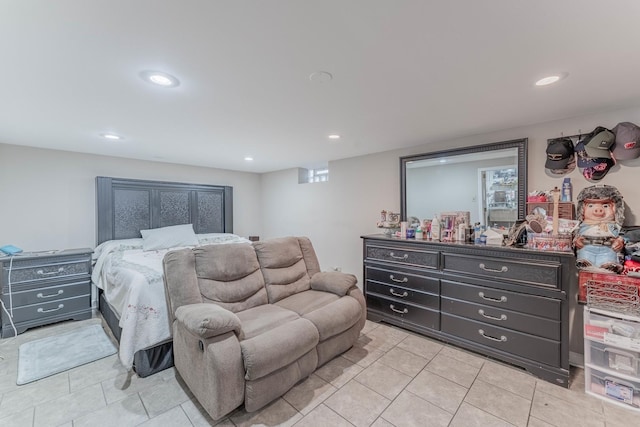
(501, 339)
(405, 311)
(58, 271)
(501, 299)
(405, 280)
(394, 256)
(40, 295)
(402, 295)
(42, 310)
(502, 316)
(503, 269)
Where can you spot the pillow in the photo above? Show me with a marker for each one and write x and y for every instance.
(168, 237)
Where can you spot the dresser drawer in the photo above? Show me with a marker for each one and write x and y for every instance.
(35, 270)
(403, 255)
(52, 308)
(523, 303)
(404, 311)
(541, 350)
(511, 270)
(533, 325)
(401, 294)
(400, 277)
(49, 293)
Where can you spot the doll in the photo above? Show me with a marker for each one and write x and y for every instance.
(597, 242)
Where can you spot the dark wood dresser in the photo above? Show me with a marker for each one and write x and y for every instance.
(507, 303)
(45, 287)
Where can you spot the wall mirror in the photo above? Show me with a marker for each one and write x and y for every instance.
(488, 181)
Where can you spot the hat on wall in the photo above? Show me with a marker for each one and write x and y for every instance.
(627, 143)
(599, 169)
(598, 145)
(560, 156)
(584, 161)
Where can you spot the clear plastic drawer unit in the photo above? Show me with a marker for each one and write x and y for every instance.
(612, 356)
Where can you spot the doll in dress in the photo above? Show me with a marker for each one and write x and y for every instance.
(597, 241)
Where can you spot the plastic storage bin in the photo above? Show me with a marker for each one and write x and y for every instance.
(612, 356)
(614, 388)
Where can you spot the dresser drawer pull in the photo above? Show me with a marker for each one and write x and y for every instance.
(503, 269)
(58, 271)
(501, 339)
(42, 310)
(502, 316)
(405, 311)
(405, 280)
(501, 299)
(40, 295)
(394, 256)
(402, 295)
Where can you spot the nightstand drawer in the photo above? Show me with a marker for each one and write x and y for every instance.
(35, 270)
(51, 308)
(50, 293)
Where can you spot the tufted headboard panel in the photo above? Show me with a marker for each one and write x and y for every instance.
(126, 206)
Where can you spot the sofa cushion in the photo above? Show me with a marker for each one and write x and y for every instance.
(335, 317)
(208, 320)
(333, 281)
(287, 265)
(257, 320)
(229, 275)
(278, 347)
(307, 301)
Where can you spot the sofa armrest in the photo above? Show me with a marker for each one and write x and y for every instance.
(207, 320)
(335, 282)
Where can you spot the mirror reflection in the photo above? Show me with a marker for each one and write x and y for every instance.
(487, 181)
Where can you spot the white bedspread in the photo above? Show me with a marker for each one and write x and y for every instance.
(132, 282)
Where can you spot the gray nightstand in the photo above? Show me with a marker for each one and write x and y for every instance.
(45, 287)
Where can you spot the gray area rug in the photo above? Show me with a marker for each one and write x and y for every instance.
(51, 355)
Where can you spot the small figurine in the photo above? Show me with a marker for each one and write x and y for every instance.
(597, 241)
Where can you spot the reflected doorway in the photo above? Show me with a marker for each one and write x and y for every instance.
(498, 196)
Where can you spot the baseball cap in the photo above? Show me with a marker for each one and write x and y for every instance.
(599, 142)
(599, 169)
(584, 161)
(560, 154)
(627, 145)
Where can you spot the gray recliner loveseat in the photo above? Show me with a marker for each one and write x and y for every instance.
(250, 321)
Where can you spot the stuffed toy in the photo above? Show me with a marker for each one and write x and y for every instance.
(597, 240)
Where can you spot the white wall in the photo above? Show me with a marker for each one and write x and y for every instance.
(48, 197)
(336, 213)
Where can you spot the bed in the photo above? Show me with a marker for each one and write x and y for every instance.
(128, 268)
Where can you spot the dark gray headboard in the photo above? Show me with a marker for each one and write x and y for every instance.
(126, 206)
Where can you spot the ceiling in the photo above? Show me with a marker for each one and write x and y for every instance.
(405, 73)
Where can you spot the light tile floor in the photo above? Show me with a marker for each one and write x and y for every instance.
(391, 377)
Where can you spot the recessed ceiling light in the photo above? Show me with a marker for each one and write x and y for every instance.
(551, 79)
(159, 78)
(321, 77)
(334, 136)
(248, 159)
(111, 136)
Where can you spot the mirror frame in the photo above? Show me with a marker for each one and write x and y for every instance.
(520, 144)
